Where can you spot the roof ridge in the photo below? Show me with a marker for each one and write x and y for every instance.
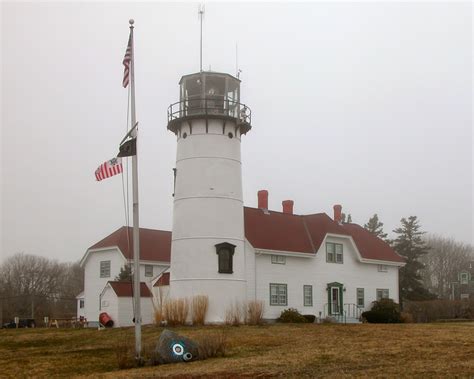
(309, 235)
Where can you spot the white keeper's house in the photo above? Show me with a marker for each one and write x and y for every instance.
(232, 253)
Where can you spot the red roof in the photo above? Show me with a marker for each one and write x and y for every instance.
(276, 231)
(125, 289)
(164, 280)
(304, 234)
(267, 230)
(155, 245)
(371, 247)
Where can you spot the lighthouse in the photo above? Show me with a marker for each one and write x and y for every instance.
(207, 248)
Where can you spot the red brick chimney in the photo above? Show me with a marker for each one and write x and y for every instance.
(287, 206)
(262, 199)
(338, 213)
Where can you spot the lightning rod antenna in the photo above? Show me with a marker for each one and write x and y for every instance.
(201, 15)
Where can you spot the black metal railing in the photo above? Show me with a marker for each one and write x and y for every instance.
(352, 310)
(348, 310)
(215, 105)
(335, 312)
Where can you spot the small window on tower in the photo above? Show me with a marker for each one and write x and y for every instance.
(225, 252)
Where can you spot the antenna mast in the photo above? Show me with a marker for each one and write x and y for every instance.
(201, 15)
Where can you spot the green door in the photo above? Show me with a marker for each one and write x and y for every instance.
(335, 298)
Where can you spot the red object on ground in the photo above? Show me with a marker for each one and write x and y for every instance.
(105, 320)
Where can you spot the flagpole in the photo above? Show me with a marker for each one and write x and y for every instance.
(136, 233)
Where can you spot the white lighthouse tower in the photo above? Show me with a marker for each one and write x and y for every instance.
(207, 249)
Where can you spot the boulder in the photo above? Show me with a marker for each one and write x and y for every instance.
(173, 348)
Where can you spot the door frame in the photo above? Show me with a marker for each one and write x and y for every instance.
(340, 288)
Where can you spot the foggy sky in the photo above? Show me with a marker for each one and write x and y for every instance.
(364, 104)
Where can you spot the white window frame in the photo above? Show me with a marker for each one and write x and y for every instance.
(278, 259)
(382, 268)
(105, 269)
(464, 278)
(308, 295)
(334, 252)
(81, 303)
(360, 295)
(278, 294)
(147, 272)
(382, 293)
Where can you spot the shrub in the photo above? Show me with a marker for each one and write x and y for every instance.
(234, 314)
(406, 317)
(176, 311)
(310, 318)
(212, 344)
(199, 309)
(384, 311)
(329, 320)
(158, 316)
(291, 315)
(159, 305)
(432, 310)
(255, 312)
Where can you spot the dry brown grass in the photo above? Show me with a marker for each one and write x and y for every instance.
(235, 314)
(212, 344)
(175, 311)
(255, 312)
(199, 309)
(285, 350)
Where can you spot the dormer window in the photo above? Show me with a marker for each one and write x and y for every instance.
(105, 269)
(225, 253)
(334, 253)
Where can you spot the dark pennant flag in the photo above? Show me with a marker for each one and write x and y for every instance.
(128, 148)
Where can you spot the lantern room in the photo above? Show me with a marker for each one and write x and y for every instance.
(209, 95)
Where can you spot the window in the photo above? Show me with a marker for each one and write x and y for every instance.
(382, 268)
(278, 259)
(105, 269)
(278, 294)
(148, 270)
(464, 296)
(81, 303)
(308, 296)
(225, 252)
(464, 278)
(334, 252)
(382, 294)
(360, 298)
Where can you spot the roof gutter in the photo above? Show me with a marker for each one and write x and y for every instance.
(286, 253)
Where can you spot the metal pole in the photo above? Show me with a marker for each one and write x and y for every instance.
(136, 232)
(201, 13)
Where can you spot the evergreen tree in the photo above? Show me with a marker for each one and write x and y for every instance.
(375, 226)
(125, 274)
(410, 245)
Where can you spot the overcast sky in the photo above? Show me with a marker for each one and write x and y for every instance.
(364, 104)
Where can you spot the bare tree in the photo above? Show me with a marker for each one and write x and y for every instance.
(445, 259)
(33, 286)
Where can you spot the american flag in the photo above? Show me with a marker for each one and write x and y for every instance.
(109, 168)
(127, 59)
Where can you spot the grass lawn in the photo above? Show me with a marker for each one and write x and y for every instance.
(286, 350)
